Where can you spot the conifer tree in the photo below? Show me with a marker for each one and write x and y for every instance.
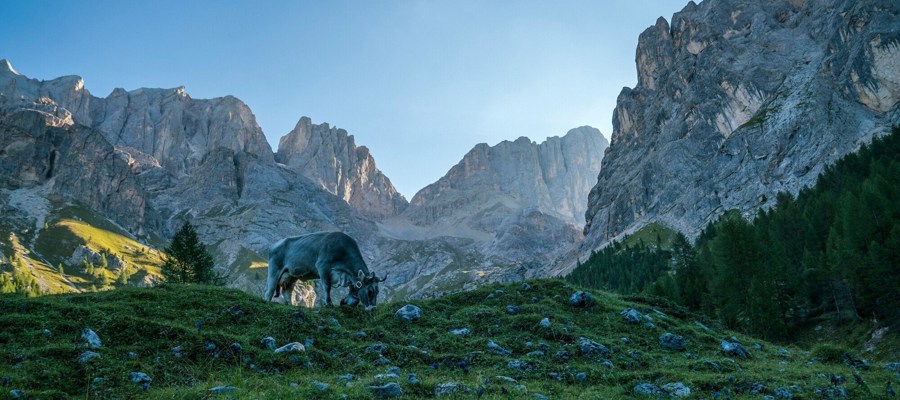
(187, 260)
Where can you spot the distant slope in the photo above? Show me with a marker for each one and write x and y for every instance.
(190, 339)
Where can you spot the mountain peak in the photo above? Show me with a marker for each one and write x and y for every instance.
(5, 65)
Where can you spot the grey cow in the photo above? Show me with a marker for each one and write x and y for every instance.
(331, 257)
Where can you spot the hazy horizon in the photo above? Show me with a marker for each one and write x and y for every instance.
(418, 83)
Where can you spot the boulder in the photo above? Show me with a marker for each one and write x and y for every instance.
(672, 342)
(409, 312)
(581, 299)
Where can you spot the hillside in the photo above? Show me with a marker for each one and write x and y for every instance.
(196, 341)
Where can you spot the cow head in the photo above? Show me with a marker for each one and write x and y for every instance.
(364, 290)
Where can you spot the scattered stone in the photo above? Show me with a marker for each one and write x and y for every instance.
(140, 377)
(178, 351)
(536, 353)
(648, 390)
(378, 348)
(506, 379)
(236, 347)
(758, 388)
(412, 379)
(581, 299)
(17, 394)
(409, 312)
(93, 341)
(386, 377)
(346, 378)
(497, 349)
(87, 356)
(625, 340)
(381, 361)
(563, 355)
(132, 355)
(5, 380)
(369, 308)
(361, 334)
(892, 366)
(837, 380)
(268, 342)
(757, 346)
(385, 391)
(607, 364)
(460, 332)
(545, 323)
(734, 349)
(783, 393)
(833, 393)
(861, 364)
(519, 365)
(581, 377)
(448, 389)
(222, 390)
(592, 349)
(704, 327)
(632, 316)
(672, 342)
(526, 286)
(46, 332)
(677, 389)
(539, 396)
(320, 386)
(393, 370)
(512, 310)
(783, 353)
(290, 348)
(650, 325)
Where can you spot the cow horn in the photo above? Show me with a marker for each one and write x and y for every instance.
(380, 279)
(360, 274)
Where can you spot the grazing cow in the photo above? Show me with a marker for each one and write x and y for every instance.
(331, 257)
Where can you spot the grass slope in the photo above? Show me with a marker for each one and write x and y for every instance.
(141, 326)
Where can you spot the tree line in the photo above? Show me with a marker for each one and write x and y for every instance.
(832, 253)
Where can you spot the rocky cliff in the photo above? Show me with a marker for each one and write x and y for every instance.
(739, 100)
(330, 157)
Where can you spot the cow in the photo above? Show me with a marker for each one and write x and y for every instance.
(331, 257)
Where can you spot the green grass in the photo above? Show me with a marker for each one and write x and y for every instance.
(151, 321)
(648, 235)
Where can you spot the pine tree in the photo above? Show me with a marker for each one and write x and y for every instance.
(188, 261)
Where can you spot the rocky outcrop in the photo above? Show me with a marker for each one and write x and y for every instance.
(330, 157)
(739, 100)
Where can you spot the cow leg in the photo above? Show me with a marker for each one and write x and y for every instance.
(271, 280)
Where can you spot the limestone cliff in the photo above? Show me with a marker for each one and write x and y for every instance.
(739, 100)
(329, 156)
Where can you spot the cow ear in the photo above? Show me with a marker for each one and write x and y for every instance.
(360, 275)
(381, 279)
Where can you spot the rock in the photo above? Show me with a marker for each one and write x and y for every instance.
(892, 366)
(222, 390)
(448, 389)
(88, 356)
(677, 389)
(409, 312)
(381, 361)
(519, 365)
(412, 379)
(268, 342)
(734, 349)
(672, 342)
(140, 377)
(506, 379)
(386, 391)
(497, 349)
(46, 332)
(563, 355)
(538, 396)
(757, 346)
(177, 351)
(132, 355)
(291, 347)
(632, 316)
(369, 309)
(460, 332)
(581, 377)
(512, 310)
(648, 390)
(89, 336)
(535, 353)
(377, 348)
(526, 286)
(783, 393)
(17, 394)
(346, 378)
(235, 347)
(545, 323)
(386, 377)
(361, 334)
(835, 392)
(581, 299)
(592, 349)
(783, 353)
(704, 327)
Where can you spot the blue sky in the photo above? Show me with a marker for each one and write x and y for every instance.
(418, 82)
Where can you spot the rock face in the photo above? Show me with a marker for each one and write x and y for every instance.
(329, 157)
(739, 100)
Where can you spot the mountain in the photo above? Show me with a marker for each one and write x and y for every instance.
(329, 157)
(739, 100)
(510, 208)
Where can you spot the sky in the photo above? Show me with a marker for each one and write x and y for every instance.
(418, 82)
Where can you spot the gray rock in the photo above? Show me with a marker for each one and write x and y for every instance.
(412, 379)
(734, 349)
(783, 353)
(563, 355)
(17, 394)
(648, 390)
(519, 365)
(46, 332)
(140, 377)
(377, 348)
(88, 356)
(381, 361)
(512, 310)
(448, 389)
(89, 336)
(222, 390)
(409, 312)
(892, 366)
(592, 349)
(506, 379)
(545, 323)
(370, 308)
(235, 347)
(268, 342)
(783, 393)
(677, 389)
(672, 342)
(581, 299)
(346, 378)
(460, 332)
(320, 386)
(386, 377)
(538, 396)
(177, 351)
(386, 391)
(394, 370)
(581, 377)
(291, 348)
(497, 349)
(535, 353)
(632, 316)
(526, 286)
